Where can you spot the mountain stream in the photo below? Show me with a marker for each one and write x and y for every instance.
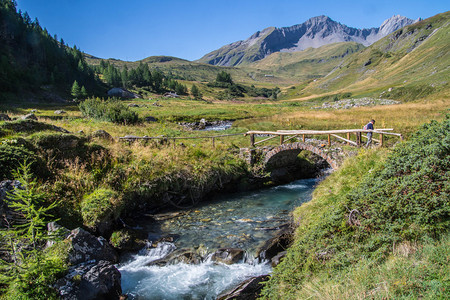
(242, 220)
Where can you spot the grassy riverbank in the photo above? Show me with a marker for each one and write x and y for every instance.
(377, 228)
(99, 179)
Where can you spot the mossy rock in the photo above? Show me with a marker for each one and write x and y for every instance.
(99, 209)
(14, 154)
(127, 240)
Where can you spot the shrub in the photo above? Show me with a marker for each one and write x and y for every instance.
(98, 206)
(108, 110)
(409, 197)
(30, 271)
(368, 207)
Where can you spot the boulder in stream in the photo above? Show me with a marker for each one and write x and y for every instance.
(86, 247)
(92, 274)
(228, 255)
(246, 290)
(186, 256)
(276, 245)
(90, 280)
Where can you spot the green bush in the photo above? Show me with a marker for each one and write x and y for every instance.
(108, 110)
(26, 270)
(98, 206)
(409, 197)
(368, 207)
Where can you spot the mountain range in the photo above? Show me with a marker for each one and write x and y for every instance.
(315, 32)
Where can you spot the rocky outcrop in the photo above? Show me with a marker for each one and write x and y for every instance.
(101, 134)
(90, 280)
(247, 290)
(122, 93)
(276, 245)
(228, 255)
(92, 274)
(351, 103)
(187, 256)
(87, 247)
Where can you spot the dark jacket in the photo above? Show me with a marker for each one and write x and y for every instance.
(369, 126)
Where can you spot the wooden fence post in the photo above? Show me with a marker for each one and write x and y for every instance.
(381, 139)
(281, 139)
(303, 138)
(358, 139)
(329, 140)
(213, 144)
(252, 140)
(348, 137)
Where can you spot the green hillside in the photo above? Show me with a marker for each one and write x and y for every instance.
(35, 65)
(307, 64)
(411, 63)
(194, 71)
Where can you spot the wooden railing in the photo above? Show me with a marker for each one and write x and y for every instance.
(132, 138)
(286, 135)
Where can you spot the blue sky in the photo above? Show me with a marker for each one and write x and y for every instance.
(135, 29)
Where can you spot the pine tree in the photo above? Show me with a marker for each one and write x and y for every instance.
(75, 91)
(196, 92)
(83, 92)
(30, 272)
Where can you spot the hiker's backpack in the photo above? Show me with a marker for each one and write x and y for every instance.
(365, 127)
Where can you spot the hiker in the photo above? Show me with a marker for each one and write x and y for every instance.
(369, 126)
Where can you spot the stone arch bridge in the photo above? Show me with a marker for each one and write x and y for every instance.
(273, 157)
(285, 154)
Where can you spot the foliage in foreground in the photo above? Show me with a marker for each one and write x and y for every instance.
(26, 270)
(108, 110)
(361, 214)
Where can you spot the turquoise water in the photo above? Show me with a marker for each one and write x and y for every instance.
(242, 220)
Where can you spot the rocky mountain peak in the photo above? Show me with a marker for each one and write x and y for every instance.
(315, 32)
(393, 23)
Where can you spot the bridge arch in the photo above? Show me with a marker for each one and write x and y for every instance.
(286, 152)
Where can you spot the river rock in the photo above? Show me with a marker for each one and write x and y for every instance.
(228, 255)
(4, 117)
(90, 280)
(186, 256)
(59, 112)
(85, 247)
(277, 244)
(29, 117)
(102, 134)
(247, 290)
(277, 258)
